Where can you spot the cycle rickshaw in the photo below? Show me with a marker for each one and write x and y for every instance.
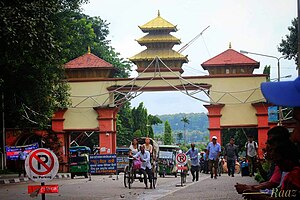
(131, 174)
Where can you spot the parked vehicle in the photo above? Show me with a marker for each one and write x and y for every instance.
(167, 160)
(79, 161)
(122, 158)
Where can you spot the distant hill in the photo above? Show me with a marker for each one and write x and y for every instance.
(196, 129)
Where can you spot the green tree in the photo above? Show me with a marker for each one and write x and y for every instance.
(31, 69)
(137, 134)
(36, 39)
(140, 119)
(267, 71)
(289, 46)
(185, 121)
(159, 137)
(124, 125)
(80, 31)
(168, 138)
(184, 147)
(179, 137)
(152, 120)
(240, 136)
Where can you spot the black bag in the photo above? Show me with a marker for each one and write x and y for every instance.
(245, 169)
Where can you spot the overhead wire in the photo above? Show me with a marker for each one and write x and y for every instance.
(133, 92)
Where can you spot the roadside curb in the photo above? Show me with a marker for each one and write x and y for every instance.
(25, 179)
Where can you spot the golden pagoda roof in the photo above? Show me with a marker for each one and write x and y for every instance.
(158, 23)
(158, 38)
(164, 54)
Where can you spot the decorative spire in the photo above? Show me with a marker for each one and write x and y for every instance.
(229, 45)
(158, 14)
(89, 50)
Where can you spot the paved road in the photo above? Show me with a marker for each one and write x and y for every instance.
(212, 189)
(107, 188)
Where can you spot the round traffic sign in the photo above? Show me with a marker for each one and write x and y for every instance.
(181, 159)
(41, 165)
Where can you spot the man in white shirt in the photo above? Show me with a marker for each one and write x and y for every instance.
(146, 165)
(251, 154)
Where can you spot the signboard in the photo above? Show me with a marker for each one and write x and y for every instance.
(165, 154)
(103, 164)
(12, 152)
(43, 189)
(122, 162)
(181, 159)
(41, 165)
(273, 113)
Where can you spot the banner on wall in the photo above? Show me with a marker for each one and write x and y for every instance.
(12, 152)
(103, 164)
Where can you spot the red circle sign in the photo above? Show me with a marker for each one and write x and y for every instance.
(181, 159)
(47, 167)
(41, 165)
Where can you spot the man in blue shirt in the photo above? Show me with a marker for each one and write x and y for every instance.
(193, 153)
(22, 157)
(146, 165)
(213, 152)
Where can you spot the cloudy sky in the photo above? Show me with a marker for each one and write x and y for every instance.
(252, 25)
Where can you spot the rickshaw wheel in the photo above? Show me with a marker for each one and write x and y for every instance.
(154, 179)
(129, 180)
(125, 176)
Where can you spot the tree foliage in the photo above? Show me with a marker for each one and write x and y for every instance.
(196, 131)
(31, 70)
(289, 45)
(168, 138)
(140, 119)
(82, 31)
(124, 125)
(36, 39)
(267, 71)
(134, 122)
(240, 136)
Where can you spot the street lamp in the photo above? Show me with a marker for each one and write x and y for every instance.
(278, 76)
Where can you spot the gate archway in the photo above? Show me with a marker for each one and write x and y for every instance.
(233, 91)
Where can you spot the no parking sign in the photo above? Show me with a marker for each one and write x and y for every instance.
(181, 159)
(41, 165)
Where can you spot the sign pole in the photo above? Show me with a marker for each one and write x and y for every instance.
(41, 166)
(43, 194)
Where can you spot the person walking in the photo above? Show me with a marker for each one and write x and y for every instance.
(21, 158)
(193, 153)
(251, 154)
(146, 165)
(231, 155)
(213, 152)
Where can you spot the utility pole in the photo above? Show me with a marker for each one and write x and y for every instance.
(3, 135)
(280, 114)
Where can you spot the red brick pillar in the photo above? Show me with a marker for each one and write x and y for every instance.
(58, 127)
(214, 118)
(107, 119)
(262, 125)
(58, 120)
